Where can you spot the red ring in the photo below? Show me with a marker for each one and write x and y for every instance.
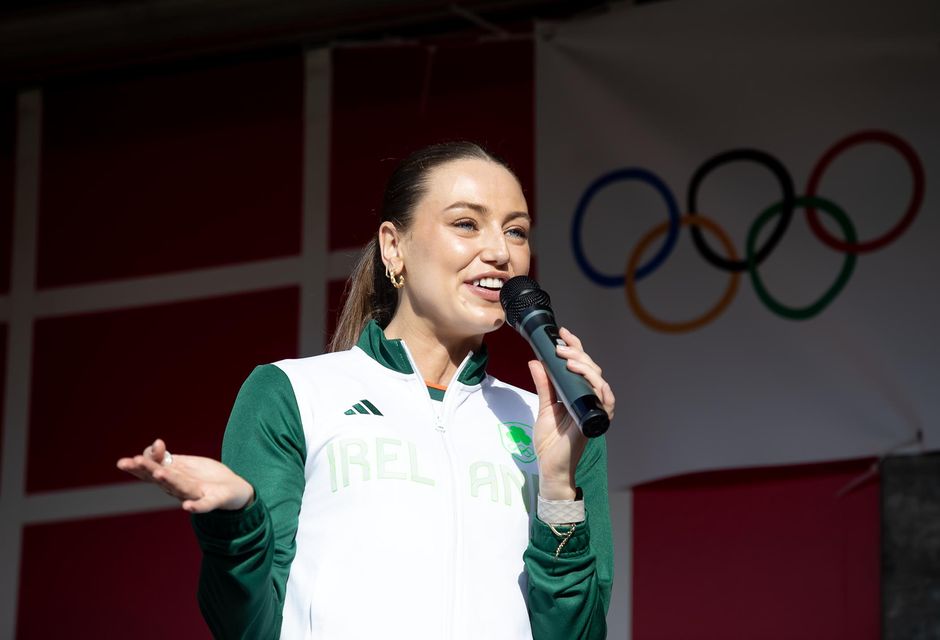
(917, 194)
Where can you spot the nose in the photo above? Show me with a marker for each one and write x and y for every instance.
(495, 248)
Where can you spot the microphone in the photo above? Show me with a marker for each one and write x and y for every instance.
(528, 309)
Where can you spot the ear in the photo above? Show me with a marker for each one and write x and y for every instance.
(390, 244)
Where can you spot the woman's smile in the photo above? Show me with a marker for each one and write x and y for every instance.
(487, 287)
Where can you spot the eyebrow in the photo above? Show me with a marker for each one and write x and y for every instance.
(482, 210)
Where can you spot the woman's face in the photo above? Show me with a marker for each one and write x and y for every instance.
(469, 234)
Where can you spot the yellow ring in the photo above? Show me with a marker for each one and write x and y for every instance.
(689, 325)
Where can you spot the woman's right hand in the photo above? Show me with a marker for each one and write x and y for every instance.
(201, 484)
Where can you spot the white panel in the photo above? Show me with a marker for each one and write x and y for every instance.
(664, 87)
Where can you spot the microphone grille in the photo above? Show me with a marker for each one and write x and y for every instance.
(520, 294)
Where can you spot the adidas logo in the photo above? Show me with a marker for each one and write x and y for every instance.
(364, 407)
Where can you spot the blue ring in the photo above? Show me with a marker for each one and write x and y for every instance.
(672, 235)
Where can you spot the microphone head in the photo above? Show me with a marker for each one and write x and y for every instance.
(520, 294)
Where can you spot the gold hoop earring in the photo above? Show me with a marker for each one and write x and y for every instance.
(398, 280)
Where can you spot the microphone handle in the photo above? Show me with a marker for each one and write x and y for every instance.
(539, 329)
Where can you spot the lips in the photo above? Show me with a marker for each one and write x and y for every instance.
(491, 295)
(489, 283)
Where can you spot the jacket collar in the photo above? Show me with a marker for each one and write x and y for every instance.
(392, 354)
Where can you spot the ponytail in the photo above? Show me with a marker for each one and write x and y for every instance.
(369, 296)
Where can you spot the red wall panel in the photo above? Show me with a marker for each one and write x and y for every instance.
(121, 577)
(389, 101)
(7, 177)
(768, 553)
(104, 385)
(172, 171)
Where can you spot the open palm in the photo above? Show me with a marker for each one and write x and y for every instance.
(201, 484)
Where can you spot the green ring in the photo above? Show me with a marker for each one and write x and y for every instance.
(848, 266)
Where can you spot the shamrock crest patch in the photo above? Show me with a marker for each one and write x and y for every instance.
(517, 439)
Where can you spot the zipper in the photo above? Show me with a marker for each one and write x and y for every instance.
(456, 558)
(440, 415)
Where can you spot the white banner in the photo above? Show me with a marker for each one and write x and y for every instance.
(805, 130)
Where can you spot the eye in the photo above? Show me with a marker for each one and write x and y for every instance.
(466, 224)
(518, 232)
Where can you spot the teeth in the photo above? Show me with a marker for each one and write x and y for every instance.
(489, 283)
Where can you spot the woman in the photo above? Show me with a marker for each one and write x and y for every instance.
(384, 489)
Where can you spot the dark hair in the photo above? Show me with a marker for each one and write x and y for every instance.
(369, 294)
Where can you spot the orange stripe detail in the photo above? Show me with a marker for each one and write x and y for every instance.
(435, 386)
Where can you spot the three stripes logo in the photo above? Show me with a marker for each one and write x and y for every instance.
(364, 407)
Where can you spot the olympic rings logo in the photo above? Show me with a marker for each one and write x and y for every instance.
(781, 212)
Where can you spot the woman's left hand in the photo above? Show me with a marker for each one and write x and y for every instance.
(558, 440)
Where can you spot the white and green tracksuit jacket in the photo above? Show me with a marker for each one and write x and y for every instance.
(388, 509)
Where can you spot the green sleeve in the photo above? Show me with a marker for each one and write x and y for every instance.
(247, 553)
(569, 594)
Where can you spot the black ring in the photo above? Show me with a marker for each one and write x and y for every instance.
(786, 213)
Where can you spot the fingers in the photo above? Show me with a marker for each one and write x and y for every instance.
(144, 464)
(608, 400)
(543, 386)
(149, 467)
(202, 505)
(570, 339)
(158, 450)
(131, 467)
(232, 494)
(176, 483)
(598, 384)
(575, 350)
(578, 361)
(548, 406)
(139, 466)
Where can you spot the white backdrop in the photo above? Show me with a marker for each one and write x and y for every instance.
(662, 88)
